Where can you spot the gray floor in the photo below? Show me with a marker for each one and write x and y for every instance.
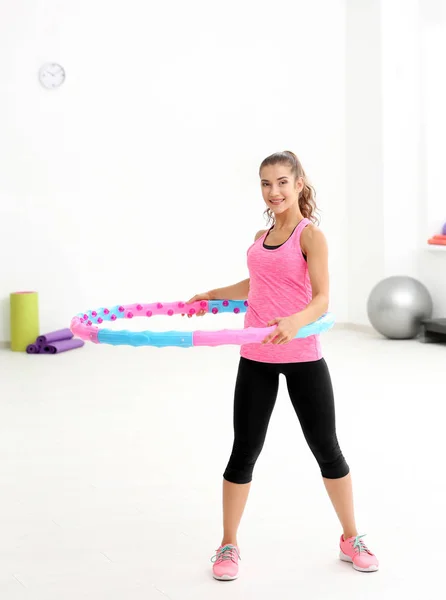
(111, 463)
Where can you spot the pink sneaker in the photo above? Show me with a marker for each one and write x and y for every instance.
(355, 551)
(226, 562)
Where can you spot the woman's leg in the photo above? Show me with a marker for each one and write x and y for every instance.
(311, 392)
(341, 495)
(235, 496)
(255, 395)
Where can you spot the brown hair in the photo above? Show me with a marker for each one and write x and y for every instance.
(307, 202)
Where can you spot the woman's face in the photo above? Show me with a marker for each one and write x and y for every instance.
(279, 189)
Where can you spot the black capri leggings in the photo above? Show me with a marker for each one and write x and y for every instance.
(310, 389)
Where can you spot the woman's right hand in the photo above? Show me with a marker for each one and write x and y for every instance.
(197, 298)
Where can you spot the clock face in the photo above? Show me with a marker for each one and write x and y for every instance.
(51, 75)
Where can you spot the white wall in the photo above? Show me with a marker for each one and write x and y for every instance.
(395, 132)
(401, 141)
(137, 180)
(433, 213)
(414, 125)
(364, 154)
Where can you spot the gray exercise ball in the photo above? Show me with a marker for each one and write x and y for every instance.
(397, 305)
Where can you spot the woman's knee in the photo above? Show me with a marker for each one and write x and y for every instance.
(330, 459)
(241, 463)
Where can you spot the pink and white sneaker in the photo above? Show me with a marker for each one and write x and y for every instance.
(226, 563)
(355, 551)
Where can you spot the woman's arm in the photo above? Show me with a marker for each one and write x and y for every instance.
(314, 246)
(238, 291)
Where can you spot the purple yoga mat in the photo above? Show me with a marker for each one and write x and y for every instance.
(34, 349)
(62, 346)
(54, 336)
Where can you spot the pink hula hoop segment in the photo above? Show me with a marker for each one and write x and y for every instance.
(86, 325)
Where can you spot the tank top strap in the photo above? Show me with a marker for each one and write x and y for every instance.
(298, 231)
(302, 225)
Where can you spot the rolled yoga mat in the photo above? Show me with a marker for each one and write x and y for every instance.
(54, 336)
(33, 349)
(24, 319)
(62, 346)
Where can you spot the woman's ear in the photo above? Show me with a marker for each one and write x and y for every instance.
(299, 184)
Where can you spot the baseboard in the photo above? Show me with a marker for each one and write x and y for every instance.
(354, 327)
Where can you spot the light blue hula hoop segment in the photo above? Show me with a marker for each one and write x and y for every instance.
(85, 325)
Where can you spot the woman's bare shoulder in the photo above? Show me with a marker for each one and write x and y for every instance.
(259, 234)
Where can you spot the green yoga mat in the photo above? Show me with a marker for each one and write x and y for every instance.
(24, 319)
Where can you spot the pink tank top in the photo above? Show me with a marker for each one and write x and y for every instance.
(279, 287)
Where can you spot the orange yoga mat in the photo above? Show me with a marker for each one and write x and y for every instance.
(437, 240)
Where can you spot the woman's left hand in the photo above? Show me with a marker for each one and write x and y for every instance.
(287, 328)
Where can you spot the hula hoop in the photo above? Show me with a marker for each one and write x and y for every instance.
(84, 325)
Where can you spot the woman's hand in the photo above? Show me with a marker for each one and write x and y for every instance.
(197, 298)
(287, 328)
